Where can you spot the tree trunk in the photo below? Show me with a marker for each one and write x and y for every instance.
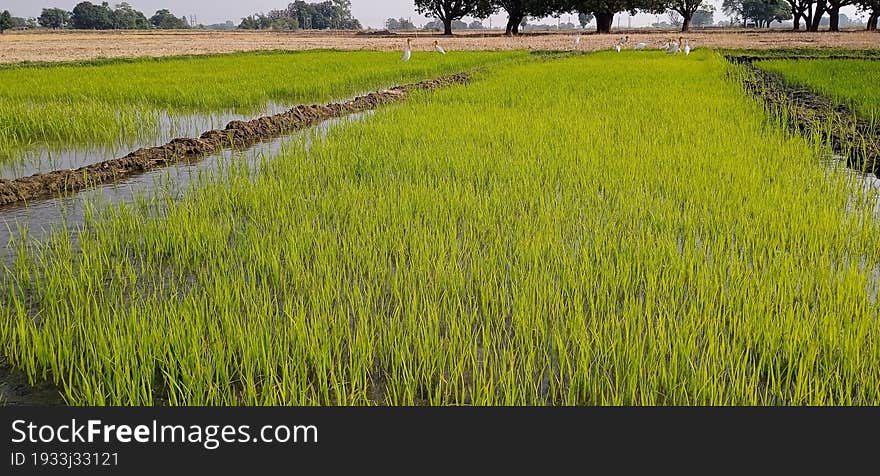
(797, 21)
(685, 23)
(872, 21)
(834, 24)
(817, 15)
(604, 22)
(447, 27)
(513, 23)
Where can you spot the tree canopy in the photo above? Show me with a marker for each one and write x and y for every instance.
(54, 18)
(448, 11)
(5, 21)
(166, 20)
(88, 16)
(331, 14)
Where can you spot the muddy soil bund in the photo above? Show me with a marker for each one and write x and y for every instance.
(237, 134)
(809, 114)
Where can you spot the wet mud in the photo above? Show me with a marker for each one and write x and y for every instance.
(237, 134)
(812, 114)
(16, 390)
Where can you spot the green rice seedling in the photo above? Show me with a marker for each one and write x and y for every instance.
(609, 229)
(850, 82)
(104, 103)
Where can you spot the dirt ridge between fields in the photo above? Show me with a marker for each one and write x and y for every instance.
(237, 134)
(809, 113)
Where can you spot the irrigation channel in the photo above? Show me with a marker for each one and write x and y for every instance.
(33, 207)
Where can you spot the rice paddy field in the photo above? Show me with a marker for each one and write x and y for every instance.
(108, 101)
(852, 82)
(539, 236)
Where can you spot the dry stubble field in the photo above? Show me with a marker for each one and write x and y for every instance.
(80, 45)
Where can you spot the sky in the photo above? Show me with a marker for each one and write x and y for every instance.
(371, 13)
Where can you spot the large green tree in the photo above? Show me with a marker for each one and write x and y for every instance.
(165, 20)
(330, 14)
(704, 17)
(604, 10)
(519, 10)
(687, 9)
(834, 7)
(88, 16)
(54, 18)
(448, 11)
(872, 7)
(5, 21)
(584, 18)
(124, 17)
(764, 12)
(760, 12)
(801, 10)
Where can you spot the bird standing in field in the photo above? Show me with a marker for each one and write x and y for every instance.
(577, 41)
(687, 48)
(621, 42)
(671, 47)
(640, 46)
(438, 48)
(407, 53)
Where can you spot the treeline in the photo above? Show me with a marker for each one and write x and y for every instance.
(760, 13)
(89, 16)
(327, 15)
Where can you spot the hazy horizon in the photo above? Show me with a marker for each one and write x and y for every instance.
(371, 13)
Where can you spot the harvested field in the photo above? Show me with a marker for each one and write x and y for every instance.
(79, 45)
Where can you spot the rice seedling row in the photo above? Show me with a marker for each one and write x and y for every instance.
(539, 236)
(102, 104)
(852, 82)
(237, 134)
(805, 111)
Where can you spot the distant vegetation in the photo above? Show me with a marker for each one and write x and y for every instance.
(327, 15)
(682, 13)
(90, 16)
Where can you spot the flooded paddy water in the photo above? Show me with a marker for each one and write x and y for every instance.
(27, 224)
(42, 159)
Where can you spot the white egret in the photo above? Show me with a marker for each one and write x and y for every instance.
(640, 46)
(671, 47)
(687, 48)
(407, 53)
(621, 42)
(577, 41)
(438, 48)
